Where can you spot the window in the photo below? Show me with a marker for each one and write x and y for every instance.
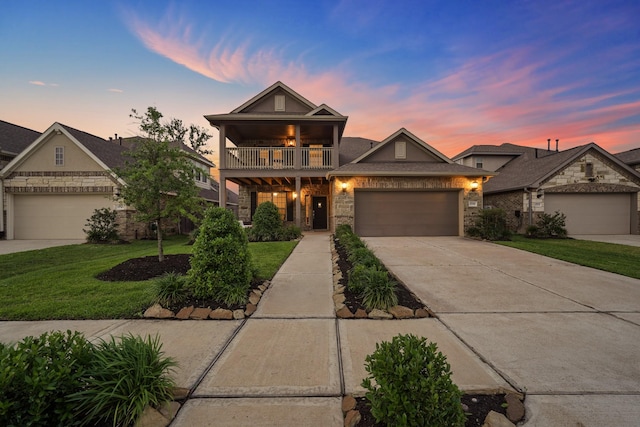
(59, 157)
(478, 162)
(279, 103)
(278, 198)
(401, 150)
(588, 170)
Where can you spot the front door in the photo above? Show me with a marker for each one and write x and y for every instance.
(320, 212)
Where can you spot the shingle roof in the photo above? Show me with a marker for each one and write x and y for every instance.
(353, 147)
(528, 170)
(506, 149)
(110, 153)
(408, 168)
(630, 157)
(14, 138)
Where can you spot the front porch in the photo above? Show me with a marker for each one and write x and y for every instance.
(303, 201)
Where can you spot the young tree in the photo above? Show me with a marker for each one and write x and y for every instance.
(159, 176)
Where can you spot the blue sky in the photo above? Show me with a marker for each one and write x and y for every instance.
(455, 73)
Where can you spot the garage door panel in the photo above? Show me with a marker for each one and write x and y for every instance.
(592, 213)
(406, 213)
(54, 216)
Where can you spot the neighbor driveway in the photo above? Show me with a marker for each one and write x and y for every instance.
(620, 239)
(568, 336)
(11, 246)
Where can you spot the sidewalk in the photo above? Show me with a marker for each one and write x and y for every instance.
(287, 365)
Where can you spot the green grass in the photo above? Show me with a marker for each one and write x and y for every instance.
(60, 283)
(620, 259)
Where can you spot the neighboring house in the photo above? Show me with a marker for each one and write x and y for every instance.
(13, 140)
(595, 190)
(631, 158)
(54, 185)
(290, 151)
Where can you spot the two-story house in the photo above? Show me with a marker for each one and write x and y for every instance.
(280, 147)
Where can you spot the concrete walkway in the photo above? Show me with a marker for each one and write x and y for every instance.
(619, 239)
(11, 246)
(569, 336)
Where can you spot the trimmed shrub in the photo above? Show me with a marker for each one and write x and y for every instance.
(102, 226)
(220, 263)
(125, 377)
(379, 291)
(266, 223)
(37, 375)
(358, 278)
(409, 384)
(551, 226)
(363, 256)
(290, 232)
(491, 224)
(169, 289)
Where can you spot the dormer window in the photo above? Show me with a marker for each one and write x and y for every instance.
(59, 156)
(401, 150)
(280, 106)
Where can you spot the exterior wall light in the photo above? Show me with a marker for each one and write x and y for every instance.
(474, 185)
(295, 195)
(344, 187)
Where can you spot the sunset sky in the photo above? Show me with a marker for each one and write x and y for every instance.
(454, 73)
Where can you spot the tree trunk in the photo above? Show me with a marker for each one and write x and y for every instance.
(159, 234)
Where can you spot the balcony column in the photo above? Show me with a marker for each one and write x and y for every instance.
(297, 160)
(334, 154)
(222, 191)
(222, 147)
(298, 203)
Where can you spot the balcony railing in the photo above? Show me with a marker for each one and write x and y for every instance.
(269, 158)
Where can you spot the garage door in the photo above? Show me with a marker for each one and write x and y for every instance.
(55, 216)
(407, 213)
(592, 213)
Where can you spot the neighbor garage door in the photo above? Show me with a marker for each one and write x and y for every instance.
(407, 213)
(55, 216)
(592, 213)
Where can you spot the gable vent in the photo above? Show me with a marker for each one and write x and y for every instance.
(280, 106)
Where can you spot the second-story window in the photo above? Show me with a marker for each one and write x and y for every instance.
(479, 162)
(588, 170)
(59, 156)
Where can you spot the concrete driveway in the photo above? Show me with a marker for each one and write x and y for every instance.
(620, 239)
(11, 246)
(568, 336)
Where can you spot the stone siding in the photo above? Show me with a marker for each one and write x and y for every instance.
(342, 202)
(59, 182)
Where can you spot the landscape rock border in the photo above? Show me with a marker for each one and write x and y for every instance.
(156, 311)
(343, 312)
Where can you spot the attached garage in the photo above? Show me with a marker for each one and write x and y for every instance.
(593, 213)
(57, 216)
(407, 213)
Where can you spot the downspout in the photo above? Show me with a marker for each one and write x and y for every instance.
(526, 190)
(2, 234)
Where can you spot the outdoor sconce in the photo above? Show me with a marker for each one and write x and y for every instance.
(344, 187)
(295, 195)
(291, 142)
(474, 185)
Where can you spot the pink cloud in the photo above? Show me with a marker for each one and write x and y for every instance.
(37, 83)
(504, 97)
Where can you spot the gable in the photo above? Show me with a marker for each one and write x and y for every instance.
(277, 99)
(42, 158)
(393, 152)
(403, 147)
(591, 166)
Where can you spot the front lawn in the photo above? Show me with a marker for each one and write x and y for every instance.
(60, 283)
(620, 259)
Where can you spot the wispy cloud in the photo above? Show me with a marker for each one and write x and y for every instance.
(115, 90)
(513, 95)
(40, 83)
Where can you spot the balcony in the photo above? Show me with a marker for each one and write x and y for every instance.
(272, 158)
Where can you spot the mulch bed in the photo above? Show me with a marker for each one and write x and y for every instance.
(479, 406)
(146, 268)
